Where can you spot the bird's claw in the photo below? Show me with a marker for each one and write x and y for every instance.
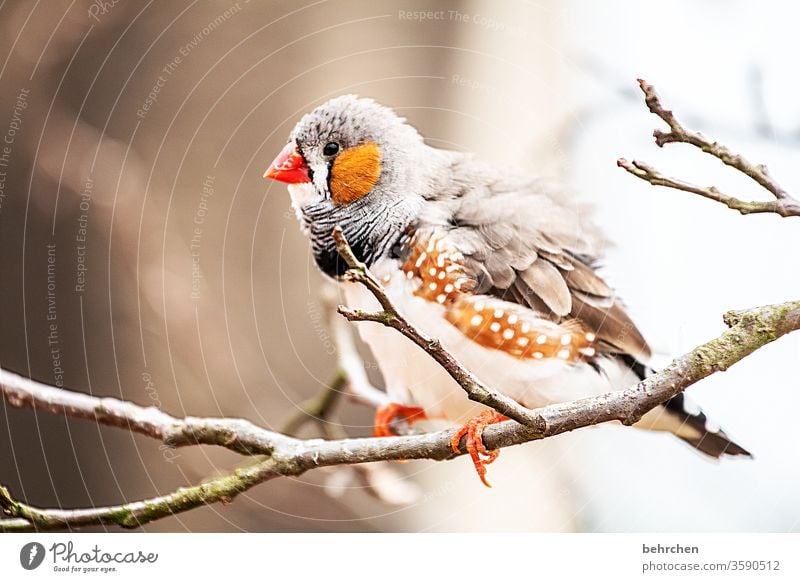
(385, 415)
(473, 431)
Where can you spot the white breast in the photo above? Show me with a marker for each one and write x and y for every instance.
(410, 373)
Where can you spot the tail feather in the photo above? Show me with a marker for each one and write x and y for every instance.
(683, 418)
(702, 434)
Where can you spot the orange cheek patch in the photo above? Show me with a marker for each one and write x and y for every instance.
(492, 323)
(355, 173)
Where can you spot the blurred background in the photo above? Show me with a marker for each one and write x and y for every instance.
(144, 257)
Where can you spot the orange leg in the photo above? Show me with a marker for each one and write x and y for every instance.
(473, 431)
(386, 414)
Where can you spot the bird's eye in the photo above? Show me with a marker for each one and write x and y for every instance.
(331, 149)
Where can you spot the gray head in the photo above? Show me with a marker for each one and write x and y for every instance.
(354, 163)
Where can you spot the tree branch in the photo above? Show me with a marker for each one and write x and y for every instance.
(288, 456)
(390, 317)
(749, 330)
(318, 407)
(783, 204)
(237, 435)
(347, 357)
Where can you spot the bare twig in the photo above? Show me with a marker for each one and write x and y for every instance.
(377, 479)
(347, 357)
(287, 456)
(318, 407)
(390, 317)
(749, 330)
(137, 513)
(235, 434)
(783, 204)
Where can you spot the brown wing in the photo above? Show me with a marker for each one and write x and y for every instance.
(527, 247)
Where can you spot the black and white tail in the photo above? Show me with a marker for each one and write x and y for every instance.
(683, 418)
(694, 427)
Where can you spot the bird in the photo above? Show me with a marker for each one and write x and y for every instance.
(500, 266)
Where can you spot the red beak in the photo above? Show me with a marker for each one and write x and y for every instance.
(289, 166)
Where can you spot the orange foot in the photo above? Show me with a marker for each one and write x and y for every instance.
(474, 441)
(386, 414)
